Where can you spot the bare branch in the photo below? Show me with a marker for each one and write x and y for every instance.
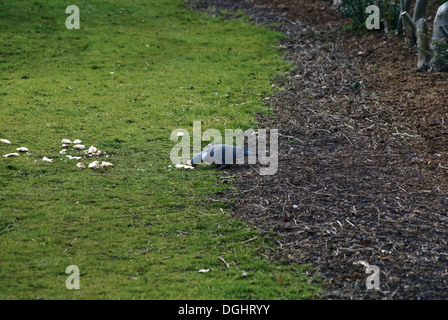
(444, 31)
(409, 20)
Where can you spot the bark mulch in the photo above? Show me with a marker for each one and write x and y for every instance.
(363, 157)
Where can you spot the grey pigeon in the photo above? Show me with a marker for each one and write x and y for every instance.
(221, 154)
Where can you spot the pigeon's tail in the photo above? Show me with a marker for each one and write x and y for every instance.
(248, 153)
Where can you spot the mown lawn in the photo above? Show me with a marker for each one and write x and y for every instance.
(134, 72)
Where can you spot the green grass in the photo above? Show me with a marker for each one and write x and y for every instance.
(134, 234)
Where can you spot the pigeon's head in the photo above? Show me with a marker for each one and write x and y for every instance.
(197, 159)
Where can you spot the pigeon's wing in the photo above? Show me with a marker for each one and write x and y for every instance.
(227, 154)
(222, 154)
(215, 154)
(238, 152)
(248, 153)
(218, 154)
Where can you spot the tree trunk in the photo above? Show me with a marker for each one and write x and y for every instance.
(438, 35)
(420, 9)
(386, 27)
(422, 44)
(405, 6)
(419, 12)
(409, 28)
(336, 3)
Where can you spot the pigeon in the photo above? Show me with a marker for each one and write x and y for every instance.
(221, 154)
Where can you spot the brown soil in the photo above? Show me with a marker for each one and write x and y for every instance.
(362, 171)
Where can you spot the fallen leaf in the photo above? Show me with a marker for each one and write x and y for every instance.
(203, 270)
(183, 166)
(106, 164)
(80, 165)
(71, 157)
(94, 165)
(79, 147)
(92, 149)
(11, 155)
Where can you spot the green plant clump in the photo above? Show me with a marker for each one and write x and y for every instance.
(441, 51)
